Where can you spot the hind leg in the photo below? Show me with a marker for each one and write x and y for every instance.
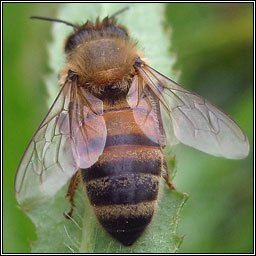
(74, 182)
(166, 175)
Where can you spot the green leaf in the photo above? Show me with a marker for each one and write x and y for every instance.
(82, 233)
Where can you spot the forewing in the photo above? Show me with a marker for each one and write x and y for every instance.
(195, 121)
(146, 111)
(88, 128)
(49, 160)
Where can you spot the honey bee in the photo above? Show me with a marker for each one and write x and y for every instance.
(108, 127)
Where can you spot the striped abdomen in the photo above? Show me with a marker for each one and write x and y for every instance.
(123, 185)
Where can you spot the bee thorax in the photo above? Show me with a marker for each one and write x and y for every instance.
(103, 61)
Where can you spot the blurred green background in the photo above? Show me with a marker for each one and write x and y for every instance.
(213, 43)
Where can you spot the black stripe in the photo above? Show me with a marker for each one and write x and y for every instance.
(126, 230)
(125, 189)
(121, 223)
(124, 166)
(129, 139)
(117, 110)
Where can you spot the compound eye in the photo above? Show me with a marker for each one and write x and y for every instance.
(116, 31)
(76, 39)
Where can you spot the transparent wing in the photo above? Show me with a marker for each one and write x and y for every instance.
(61, 145)
(146, 110)
(195, 121)
(88, 129)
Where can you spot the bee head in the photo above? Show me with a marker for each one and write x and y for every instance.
(88, 31)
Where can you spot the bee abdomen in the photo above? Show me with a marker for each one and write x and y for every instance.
(124, 204)
(123, 185)
(124, 190)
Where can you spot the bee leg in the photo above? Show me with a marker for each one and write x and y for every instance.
(166, 176)
(74, 182)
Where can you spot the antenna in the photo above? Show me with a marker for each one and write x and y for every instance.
(53, 20)
(118, 12)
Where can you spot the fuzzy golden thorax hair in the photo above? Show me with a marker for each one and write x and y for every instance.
(102, 55)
